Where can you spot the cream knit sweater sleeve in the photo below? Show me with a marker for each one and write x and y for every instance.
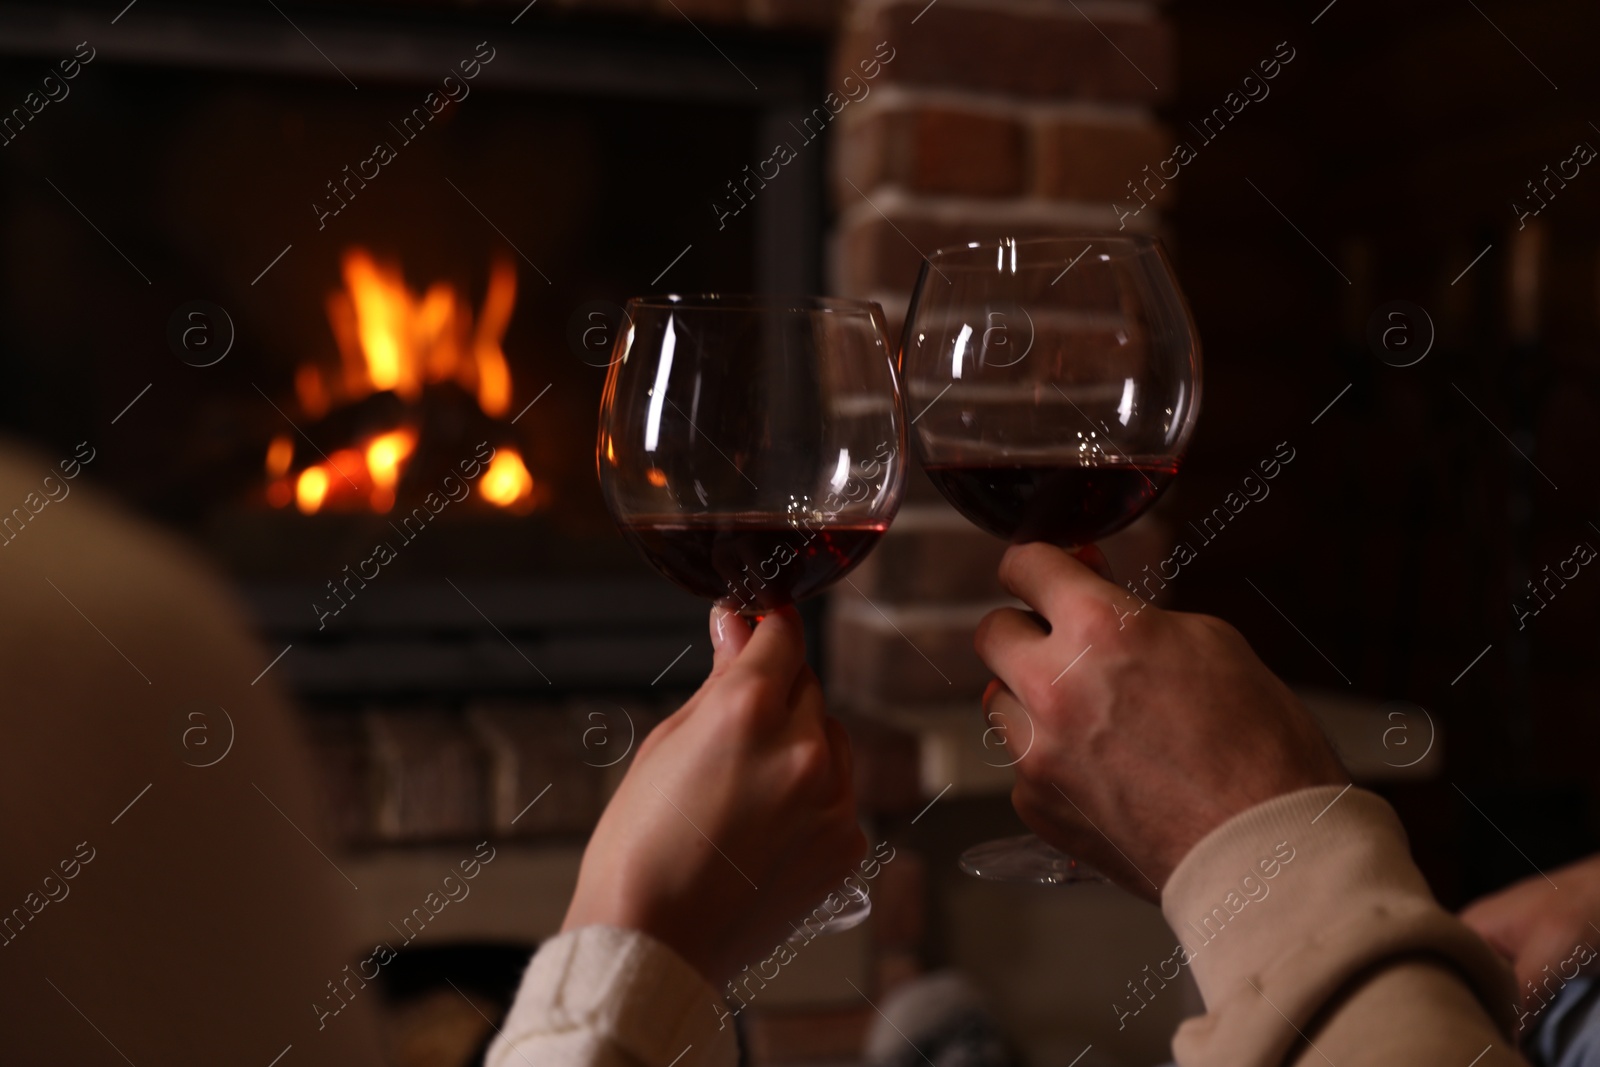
(600, 996)
(1314, 940)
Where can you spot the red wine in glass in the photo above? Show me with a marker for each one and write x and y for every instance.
(1065, 504)
(750, 563)
(752, 449)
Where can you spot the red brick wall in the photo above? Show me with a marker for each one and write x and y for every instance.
(992, 118)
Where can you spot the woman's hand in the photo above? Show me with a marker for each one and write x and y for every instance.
(738, 814)
(1147, 728)
(1537, 925)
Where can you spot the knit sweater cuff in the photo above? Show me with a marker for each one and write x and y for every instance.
(1280, 907)
(601, 995)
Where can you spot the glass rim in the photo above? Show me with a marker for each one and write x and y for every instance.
(802, 303)
(1120, 245)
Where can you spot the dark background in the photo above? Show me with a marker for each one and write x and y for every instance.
(1396, 142)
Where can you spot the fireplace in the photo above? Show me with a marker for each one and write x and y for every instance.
(355, 273)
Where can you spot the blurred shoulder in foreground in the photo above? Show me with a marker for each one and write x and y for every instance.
(161, 892)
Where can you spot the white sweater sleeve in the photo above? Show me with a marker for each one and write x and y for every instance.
(1313, 938)
(600, 996)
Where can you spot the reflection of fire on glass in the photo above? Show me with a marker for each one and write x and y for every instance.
(393, 340)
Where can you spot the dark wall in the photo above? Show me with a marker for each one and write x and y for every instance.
(1385, 157)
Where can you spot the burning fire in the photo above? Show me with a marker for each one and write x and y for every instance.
(506, 481)
(393, 339)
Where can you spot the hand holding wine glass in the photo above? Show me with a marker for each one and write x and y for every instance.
(1169, 729)
(1056, 382)
(753, 761)
(752, 450)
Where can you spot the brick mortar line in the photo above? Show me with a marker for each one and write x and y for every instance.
(893, 298)
(897, 203)
(1118, 10)
(900, 96)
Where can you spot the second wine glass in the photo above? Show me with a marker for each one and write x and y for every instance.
(1055, 383)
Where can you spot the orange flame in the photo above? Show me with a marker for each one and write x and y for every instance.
(494, 377)
(311, 489)
(393, 339)
(385, 456)
(390, 338)
(507, 482)
(280, 454)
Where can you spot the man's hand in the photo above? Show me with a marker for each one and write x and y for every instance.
(737, 815)
(1536, 925)
(1149, 728)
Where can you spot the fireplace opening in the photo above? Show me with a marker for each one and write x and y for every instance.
(350, 338)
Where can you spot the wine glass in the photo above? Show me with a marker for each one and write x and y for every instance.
(1055, 384)
(752, 449)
